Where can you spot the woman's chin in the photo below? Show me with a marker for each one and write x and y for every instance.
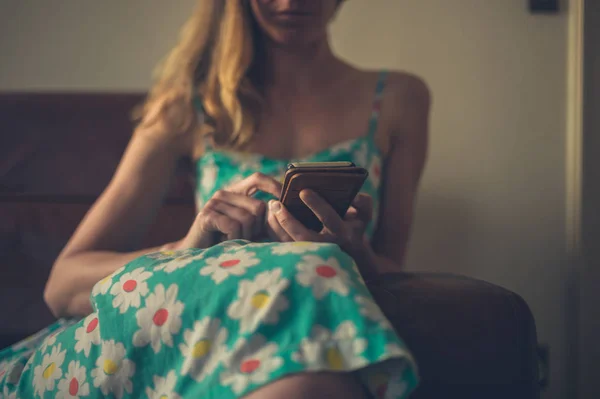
(296, 38)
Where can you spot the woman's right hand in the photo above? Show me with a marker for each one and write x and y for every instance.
(231, 213)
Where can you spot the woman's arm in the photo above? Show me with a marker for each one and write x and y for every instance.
(404, 166)
(403, 169)
(106, 238)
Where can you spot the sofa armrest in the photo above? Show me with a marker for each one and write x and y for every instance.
(469, 337)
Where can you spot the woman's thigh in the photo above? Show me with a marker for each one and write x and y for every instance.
(319, 385)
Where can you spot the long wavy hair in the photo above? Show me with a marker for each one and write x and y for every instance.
(212, 61)
(217, 59)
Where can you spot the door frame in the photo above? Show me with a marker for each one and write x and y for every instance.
(589, 322)
(583, 198)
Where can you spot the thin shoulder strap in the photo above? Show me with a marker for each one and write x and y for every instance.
(199, 107)
(376, 107)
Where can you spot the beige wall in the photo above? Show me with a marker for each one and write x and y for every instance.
(492, 202)
(85, 45)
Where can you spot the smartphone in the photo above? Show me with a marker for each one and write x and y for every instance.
(338, 183)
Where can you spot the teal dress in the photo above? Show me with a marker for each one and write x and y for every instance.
(220, 322)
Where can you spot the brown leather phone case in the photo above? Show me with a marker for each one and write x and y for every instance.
(338, 186)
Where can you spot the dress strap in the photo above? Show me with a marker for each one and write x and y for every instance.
(376, 107)
(200, 113)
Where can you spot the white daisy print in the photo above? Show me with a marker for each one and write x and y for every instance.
(27, 367)
(160, 319)
(3, 370)
(130, 289)
(394, 350)
(387, 380)
(102, 286)
(361, 154)
(74, 385)
(11, 370)
(372, 311)
(168, 254)
(208, 177)
(245, 161)
(250, 363)
(231, 244)
(227, 264)
(261, 300)
(30, 342)
(14, 375)
(46, 373)
(322, 275)
(396, 389)
(397, 386)
(179, 260)
(164, 388)
(49, 341)
(6, 395)
(88, 334)
(4, 367)
(344, 146)
(339, 350)
(203, 348)
(113, 370)
(298, 247)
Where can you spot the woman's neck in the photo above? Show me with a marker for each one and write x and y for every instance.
(299, 68)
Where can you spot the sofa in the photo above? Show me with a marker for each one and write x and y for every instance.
(58, 151)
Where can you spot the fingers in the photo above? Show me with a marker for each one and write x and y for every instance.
(234, 213)
(252, 205)
(253, 209)
(363, 205)
(246, 220)
(292, 227)
(218, 222)
(352, 213)
(325, 212)
(207, 225)
(257, 182)
(274, 229)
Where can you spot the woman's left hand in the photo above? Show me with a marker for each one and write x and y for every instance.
(348, 232)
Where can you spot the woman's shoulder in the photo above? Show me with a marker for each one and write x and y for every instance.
(408, 99)
(397, 82)
(169, 120)
(400, 89)
(406, 87)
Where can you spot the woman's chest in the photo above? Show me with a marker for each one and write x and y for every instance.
(308, 125)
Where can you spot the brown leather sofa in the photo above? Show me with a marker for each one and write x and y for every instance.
(58, 151)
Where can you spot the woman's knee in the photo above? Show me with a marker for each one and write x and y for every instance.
(315, 385)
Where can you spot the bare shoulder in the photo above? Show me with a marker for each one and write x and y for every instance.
(169, 121)
(409, 104)
(405, 107)
(409, 91)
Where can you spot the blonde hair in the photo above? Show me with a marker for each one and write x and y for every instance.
(212, 61)
(217, 59)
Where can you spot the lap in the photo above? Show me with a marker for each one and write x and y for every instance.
(225, 321)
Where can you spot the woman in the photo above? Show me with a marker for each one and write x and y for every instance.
(249, 303)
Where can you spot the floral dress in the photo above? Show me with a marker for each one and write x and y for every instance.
(224, 321)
